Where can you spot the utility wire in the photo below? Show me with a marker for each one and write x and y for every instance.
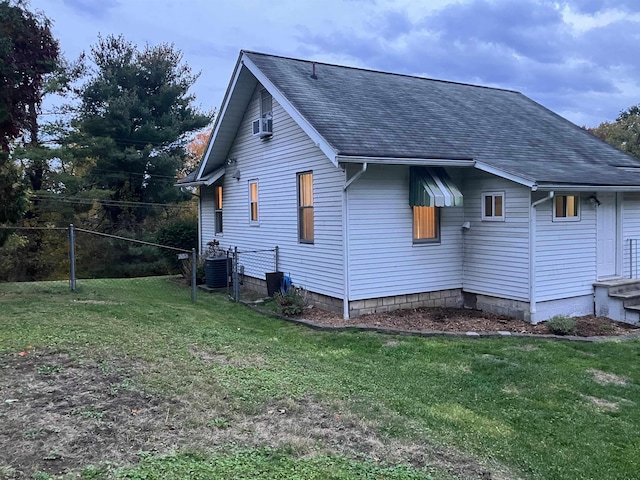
(108, 202)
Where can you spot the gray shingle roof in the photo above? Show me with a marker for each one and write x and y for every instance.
(377, 114)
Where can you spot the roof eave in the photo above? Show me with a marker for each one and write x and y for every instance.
(220, 117)
(444, 162)
(565, 187)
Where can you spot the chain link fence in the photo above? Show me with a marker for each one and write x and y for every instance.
(75, 255)
(247, 274)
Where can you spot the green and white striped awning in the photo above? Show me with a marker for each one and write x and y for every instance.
(432, 187)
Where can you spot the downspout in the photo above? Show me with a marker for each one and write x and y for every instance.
(345, 236)
(199, 220)
(532, 254)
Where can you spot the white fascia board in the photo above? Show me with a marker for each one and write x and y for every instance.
(213, 177)
(435, 162)
(195, 183)
(589, 188)
(318, 139)
(225, 103)
(509, 176)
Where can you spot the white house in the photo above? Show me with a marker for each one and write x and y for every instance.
(386, 191)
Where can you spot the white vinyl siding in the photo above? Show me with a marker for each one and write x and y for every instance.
(565, 252)
(383, 259)
(496, 254)
(207, 216)
(631, 230)
(275, 162)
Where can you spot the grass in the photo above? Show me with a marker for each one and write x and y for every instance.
(528, 405)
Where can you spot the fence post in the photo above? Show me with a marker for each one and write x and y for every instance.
(236, 279)
(72, 257)
(194, 268)
(277, 258)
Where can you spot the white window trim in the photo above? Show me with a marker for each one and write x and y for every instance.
(301, 208)
(493, 218)
(218, 228)
(566, 219)
(252, 222)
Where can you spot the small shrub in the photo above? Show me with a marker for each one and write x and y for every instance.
(291, 303)
(561, 325)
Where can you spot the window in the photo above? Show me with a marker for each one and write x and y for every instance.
(265, 106)
(426, 224)
(217, 193)
(493, 206)
(305, 207)
(253, 201)
(263, 127)
(566, 208)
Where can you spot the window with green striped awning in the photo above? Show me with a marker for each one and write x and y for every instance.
(432, 187)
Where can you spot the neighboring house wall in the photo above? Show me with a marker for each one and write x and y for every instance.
(631, 230)
(274, 163)
(383, 260)
(565, 252)
(496, 253)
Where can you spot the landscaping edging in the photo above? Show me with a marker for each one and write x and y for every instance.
(440, 333)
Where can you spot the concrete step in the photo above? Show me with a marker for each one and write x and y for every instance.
(626, 295)
(620, 285)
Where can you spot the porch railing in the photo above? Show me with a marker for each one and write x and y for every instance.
(633, 257)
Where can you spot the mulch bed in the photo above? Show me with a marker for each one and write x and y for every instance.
(464, 320)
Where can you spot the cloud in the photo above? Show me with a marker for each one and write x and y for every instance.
(532, 29)
(527, 46)
(591, 7)
(92, 8)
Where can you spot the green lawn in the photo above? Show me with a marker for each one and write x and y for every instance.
(521, 408)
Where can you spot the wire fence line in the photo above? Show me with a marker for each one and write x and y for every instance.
(253, 273)
(75, 254)
(43, 253)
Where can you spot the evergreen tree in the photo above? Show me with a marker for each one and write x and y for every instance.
(132, 127)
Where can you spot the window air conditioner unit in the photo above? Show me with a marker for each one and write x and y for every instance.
(262, 127)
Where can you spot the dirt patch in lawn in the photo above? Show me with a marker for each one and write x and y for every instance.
(607, 378)
(60, 414)
(463, 320)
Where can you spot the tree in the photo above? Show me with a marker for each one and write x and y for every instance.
(196, 149)
(28, 52)
(134, 120)
(624, 133)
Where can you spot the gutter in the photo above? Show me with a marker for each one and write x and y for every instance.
(532, 254)
(345, 237)
(449, 162)
(590, 188)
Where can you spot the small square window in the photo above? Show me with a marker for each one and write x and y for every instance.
(493, 206)
(566, 208)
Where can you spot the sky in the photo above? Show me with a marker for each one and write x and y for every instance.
(578, 58)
